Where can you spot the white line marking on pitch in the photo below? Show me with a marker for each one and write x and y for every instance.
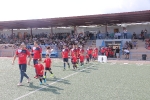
(50, 84)
(113, 63)
(139, 64)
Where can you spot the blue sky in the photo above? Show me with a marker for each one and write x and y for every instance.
(37, 9)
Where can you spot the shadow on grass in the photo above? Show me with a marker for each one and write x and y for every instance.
(45, 88)
(59, 80)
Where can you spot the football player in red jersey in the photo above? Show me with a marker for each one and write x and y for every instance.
(74, 61)
(73, 51)
(22, 54)
(95, 53)
(89, 52)
(81, 59)
(48, 62)
(81, 50)
(37, 53)
(87, 58)
(40, 71)
(65, 55)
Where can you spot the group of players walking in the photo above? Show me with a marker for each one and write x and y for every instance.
(77, 55)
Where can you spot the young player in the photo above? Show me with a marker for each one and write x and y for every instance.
(65, 53)
(81, 50)
(37, 53)
(87, 58)
(81, 59)
(22, 54)
(74, 61)
(89, 52)
(40, 71)
(95, 53)
(48, 62)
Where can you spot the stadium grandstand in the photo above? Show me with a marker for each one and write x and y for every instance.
(101, 53)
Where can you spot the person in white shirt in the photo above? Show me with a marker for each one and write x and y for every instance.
(125, 33)
(126, 52)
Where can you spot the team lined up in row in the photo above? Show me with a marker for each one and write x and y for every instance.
(78, 54)
(75, 53)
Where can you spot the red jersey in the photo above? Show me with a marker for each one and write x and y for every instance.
(65, 53)
(87, 56)
(37, 52)
(81, 51)
(74, 59)
(73, 52)
(81, 58)
(47, 62)
(78, 50)
(95, 53)
(39, 69)
(89, 51)
(22, 55)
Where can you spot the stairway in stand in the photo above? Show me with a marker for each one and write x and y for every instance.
(136, 54)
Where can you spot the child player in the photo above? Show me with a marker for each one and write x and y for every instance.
(65, 53)
(81, 59)
(87, 58)
(40, 71)
(74, 61)
(48, 62)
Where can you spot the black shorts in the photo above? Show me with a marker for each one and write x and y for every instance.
(74, 62)
(47, 68)
(65, 59)
(87, 59)
(23, 67)
(35, 61)
(90, 55)
(39, 76)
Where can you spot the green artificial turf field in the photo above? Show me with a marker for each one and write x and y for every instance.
(94, 81)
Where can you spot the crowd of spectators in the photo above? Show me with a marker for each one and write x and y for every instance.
(57, 39)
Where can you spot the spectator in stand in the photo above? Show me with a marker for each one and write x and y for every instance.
(142, 35)
(134, 36)
(119, 35)
(145, 32)
(125, 33)
(134, 44)
(127, 53)
(130, 45)
(117, 52)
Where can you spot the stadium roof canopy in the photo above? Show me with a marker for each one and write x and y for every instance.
(101, 19)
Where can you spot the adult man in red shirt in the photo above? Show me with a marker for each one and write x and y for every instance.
(37, 52)
(65, 53)
(22, 54)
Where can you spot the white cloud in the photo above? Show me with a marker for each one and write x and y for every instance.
(34, 9)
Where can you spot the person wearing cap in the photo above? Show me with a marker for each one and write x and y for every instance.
(22, 54)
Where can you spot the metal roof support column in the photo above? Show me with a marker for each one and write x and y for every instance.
(106, 28)
(31, 33)
(12, 32)
(51, 30)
